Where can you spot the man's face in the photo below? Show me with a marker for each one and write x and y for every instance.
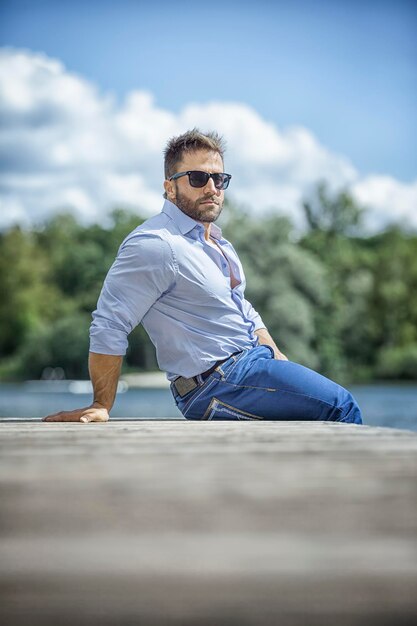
(203, 204)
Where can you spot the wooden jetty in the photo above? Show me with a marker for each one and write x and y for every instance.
(207, 524)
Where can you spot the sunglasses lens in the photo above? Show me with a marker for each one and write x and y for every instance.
(198, 179)
(221, 181)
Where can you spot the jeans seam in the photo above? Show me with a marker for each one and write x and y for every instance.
(236, 361)
(226, 382)
(295, 393)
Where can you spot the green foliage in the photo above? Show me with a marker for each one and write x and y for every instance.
(64, 343)
(28, 299)
(141, 352)
(373, 284)
(397, 362)
(332, 215)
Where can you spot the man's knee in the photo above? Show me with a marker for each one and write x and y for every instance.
(350, 411)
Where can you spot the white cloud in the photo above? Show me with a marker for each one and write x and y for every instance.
(65, 144)
(389, 201)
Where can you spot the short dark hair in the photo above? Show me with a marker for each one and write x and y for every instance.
(190, 141)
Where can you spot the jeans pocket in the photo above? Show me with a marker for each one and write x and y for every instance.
(226, 369)
(219, 410)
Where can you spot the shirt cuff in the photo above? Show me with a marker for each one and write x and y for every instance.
(257, 320)
(105, 341)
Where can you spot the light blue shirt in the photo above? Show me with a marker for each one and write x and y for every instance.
(167, 277)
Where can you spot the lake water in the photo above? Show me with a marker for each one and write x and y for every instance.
(392, 405)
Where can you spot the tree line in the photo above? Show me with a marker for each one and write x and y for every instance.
(334, 298)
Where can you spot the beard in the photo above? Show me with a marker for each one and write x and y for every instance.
(196, 210)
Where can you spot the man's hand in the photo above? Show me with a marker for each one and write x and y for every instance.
(280, 355)
(265, 339)
(104, 373)
(93, 413)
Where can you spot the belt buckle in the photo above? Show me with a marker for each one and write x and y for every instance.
(184, 385)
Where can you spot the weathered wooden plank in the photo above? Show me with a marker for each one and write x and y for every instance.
(178, 522)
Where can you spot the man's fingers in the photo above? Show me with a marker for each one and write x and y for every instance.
(96, 416)
(92, 418)
(79, 415)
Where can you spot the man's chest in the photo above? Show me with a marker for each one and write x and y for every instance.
(207, 269)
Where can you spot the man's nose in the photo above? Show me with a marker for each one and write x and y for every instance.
(210, 186)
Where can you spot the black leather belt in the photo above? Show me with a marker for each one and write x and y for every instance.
(185, 385)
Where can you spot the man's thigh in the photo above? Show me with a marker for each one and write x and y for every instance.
(257, 386)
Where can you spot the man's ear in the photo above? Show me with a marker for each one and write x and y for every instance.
(169, 189)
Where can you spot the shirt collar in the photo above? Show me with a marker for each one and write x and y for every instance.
(215, 231)
(186, 223)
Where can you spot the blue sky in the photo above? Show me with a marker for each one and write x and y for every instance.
(344, 70)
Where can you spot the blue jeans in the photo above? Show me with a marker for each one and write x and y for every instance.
(252, 385)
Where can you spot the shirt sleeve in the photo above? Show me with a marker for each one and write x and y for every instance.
(253, 315)
(144, 269)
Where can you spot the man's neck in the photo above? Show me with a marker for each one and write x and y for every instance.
(207, 227)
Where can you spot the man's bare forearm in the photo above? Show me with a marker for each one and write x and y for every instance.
(104, 373)
(265, 339)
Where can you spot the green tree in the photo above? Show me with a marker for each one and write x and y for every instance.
(393, 304)
(28, 298)
(333, 214)
(341, 322)
(63, 343)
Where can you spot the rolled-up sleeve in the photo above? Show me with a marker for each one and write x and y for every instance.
(252, 315)
(144, 269)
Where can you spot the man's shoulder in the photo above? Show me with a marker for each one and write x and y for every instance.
(152, 241)
(155, 227)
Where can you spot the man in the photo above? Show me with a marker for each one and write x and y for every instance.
(183, 281)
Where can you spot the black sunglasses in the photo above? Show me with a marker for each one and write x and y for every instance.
(200, 179)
